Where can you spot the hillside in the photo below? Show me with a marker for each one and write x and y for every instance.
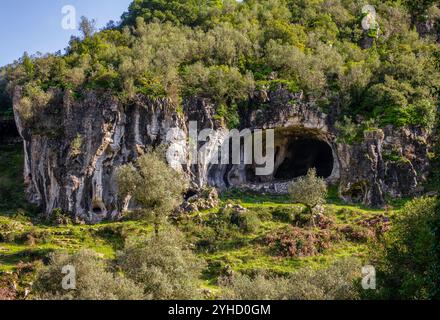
(350, 93)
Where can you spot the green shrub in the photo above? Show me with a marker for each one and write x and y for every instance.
(10, 230)
(263, 213)
(283, 214)
(32, 103)
(153, 185)
(349, 132)
(337, 282)
(93, 281)
(233, 218)
(188, 12)
(274, 85)
(162, 266)
(243, 287)
(310, 191)
(408, 261)
(58, 217)
(222, 226)
(247, 222)
(35, 237)
(76, 146)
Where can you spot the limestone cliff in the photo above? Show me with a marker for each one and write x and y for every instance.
(73, 152)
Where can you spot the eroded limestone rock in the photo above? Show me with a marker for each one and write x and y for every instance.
(74, 149)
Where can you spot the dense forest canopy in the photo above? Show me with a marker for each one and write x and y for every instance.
(225, 50)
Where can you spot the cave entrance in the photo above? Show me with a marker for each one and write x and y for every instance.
(299, 155)
(297, 150)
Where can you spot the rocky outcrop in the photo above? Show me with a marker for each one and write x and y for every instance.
(199, 200)
(389, 162)
(428, 28)
(73, 151)
(75, 168)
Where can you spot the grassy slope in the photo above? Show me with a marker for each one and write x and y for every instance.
(27, 239)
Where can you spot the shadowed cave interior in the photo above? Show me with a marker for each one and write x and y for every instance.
(302, 155)
(296, 151)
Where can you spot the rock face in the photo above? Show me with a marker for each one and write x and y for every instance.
(73, 167)
(74, 149)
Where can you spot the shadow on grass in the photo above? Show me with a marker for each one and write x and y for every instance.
(12, 196)
(24, 256)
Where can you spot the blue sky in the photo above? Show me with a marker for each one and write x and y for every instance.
(35, 25)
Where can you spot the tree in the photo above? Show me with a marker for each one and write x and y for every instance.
(336, 282)
(409, 259)
(310, 191)
(187, 12)
(87, 27)
(418, 8)
(28, 65)
(163, 266)
(92, 280)
(5, 100)
(153, 185)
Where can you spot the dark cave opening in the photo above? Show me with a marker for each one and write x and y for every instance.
(189, 194)
(297, 150)
(97, 210)
(301, 155)
(295, 154)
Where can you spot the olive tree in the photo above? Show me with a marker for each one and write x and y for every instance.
(163, 266)
(309, 191)
(92, 280)
(153, 185)
(339, 281)
(409, 258)
(87, 27)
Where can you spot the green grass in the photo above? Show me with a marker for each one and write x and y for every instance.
(105, 239)
(249, 256)
(241, 252)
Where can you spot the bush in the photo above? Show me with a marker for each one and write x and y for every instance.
(33, 102)
(409, 259)
(7, 291)
(297, 242)
(233, 218)
(311, 191)
(357, 233)
(58, 217)
(153, 185)
(187, 12)
(337, 282)
(163, 266)
(34, 237)
(10, 230)
(283, 214)
(243, 287)
(247, 222)
(221, 226)
(93, 281)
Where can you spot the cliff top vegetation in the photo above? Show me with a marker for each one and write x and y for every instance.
(224, 50)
